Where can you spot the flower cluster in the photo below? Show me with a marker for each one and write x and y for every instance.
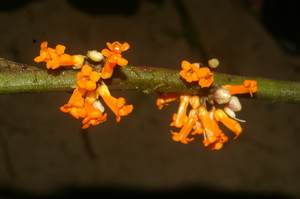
(90, 89)
(193, 117)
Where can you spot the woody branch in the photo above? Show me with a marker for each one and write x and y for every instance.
(21, 78)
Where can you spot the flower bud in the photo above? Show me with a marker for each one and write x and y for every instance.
(234, 104)
(222, 96)
(196, 64)
(95, 55)
(213, 63)
(78, 61)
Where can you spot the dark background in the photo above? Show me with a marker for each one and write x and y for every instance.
(43, 152)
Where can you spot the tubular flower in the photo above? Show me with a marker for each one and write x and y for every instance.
(57, 57)
(249, 86)
(218, 144)
(114, 57)
(214, 124)
(232, 124)
(110, 64)
(87, 78)
(219, 135)
(195, 101)
(116, 105)
(75, 104)
(43, 53)
(94, 116)
(209, 134)
(186, 129)
(180, 117)
(197, 128)
(84, 104)
(165, 99)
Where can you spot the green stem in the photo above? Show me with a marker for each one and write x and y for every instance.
(22, 78)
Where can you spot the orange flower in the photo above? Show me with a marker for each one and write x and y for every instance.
(232, 124)
(75, 104)
(57, 60)
(249, 86)
(94, 116)
(87, 78)
(206, 77)
(218, 144)
(189, 71)
(110, 64)
(88, 108)
(180, 117)
(198, 129)
(165, 99)
(77, 112)
(43, 53)
(54, 57)
(186, 129)
(214, 123)
(209, 135)
(116, 105)
(114, 57)
(116, 47)
(117, 59)
(220, 136)
(195, 101)
(91, 97)
(193, 72)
